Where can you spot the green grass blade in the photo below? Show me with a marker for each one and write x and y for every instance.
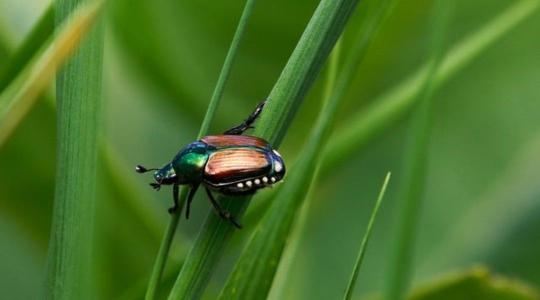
(390, 107)
(21, 94)
(79, 97)
(246, 281)
(253, 275)
(226, 68)
(38, 36)
(301, 70)
(365, 240)
(415, 163)
(165, 246)
(31, 46)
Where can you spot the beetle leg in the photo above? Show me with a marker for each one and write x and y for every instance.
(238, 130)
(175, 198)
(222, 212)
(190, 198)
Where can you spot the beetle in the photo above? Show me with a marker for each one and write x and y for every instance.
(229, 164)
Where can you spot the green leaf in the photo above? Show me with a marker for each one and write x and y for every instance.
(79, 114)
(301, 70)
(365, 240)
(476, 284)
(415, 161)
(393, 105)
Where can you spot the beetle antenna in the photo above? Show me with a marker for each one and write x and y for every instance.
(141, 169)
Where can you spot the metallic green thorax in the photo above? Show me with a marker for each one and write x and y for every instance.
(189, 163)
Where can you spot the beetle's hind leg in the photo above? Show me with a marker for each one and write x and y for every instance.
(238, 130)
(222, 212)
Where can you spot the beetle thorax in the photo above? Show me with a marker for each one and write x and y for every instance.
(189, 163)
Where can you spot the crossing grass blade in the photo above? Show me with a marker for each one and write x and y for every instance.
(20, 95)
(393, 105)
(365, 240)
(356, 133)
(290, 89)
(40, 33)
(78, 110)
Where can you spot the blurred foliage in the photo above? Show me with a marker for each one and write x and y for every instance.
(162, 60)
(475, 284)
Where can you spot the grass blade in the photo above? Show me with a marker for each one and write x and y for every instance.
(38, 36)
(254, 273)
(247, 281)
(365, 240)
(79, 97)
(21, 94)
(16, 66)
(165, 246)
(390, 107)
(415, 163)
(301, 70)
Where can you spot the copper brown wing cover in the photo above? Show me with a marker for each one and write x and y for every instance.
(223, 141)
(230, 165)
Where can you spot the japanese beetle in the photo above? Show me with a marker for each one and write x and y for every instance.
(230, 164)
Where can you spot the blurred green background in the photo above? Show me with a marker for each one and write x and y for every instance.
(162, 59)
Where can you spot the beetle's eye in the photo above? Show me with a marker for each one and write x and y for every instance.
(159, 177)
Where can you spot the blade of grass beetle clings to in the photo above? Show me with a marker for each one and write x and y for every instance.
(390, 107)
(37, 37)
(166, 243)
(20, 95)
(245, 282)
(319, 37)
(329, 86)
(415, 160)
(255, 270)
(365, 240)
(78, 112)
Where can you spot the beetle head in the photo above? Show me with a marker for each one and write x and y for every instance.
(165, 175)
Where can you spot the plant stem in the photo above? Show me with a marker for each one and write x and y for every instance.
(365, 240)
(79, 114)
(161, 259)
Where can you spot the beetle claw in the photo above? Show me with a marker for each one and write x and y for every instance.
(155, 185)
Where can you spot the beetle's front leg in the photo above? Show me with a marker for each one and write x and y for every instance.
(238, 130)
(175, 193)
(190, 198)
(222, 212)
